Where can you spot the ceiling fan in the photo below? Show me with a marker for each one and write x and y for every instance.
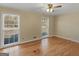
(51, 7)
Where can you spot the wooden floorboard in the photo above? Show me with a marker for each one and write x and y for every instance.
(52, 46)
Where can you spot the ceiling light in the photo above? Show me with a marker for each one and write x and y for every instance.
(50, 10)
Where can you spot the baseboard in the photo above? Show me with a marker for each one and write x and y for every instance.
(29, 41)
(50, 36)
(71, 39)
(36, 39)
(25, 42)
(21, 43)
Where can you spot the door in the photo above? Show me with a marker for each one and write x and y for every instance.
(45, 27)
(11, 30)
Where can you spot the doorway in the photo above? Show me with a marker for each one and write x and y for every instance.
(45, 27)
(10, 30)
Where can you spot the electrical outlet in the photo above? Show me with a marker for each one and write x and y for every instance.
(34, 37)
(22, 38)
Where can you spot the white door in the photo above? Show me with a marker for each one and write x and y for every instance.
(10, 31)
(45, 27)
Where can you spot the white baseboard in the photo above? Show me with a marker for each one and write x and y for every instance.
(22, 43)
(35, 39)
(71, 39)
(48, 36)
(29, 41)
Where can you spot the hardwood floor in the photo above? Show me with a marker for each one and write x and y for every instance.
(53, 46)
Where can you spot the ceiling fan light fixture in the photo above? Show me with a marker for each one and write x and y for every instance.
(51, 7)
(50, 10)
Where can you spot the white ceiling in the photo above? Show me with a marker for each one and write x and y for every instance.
(38, 7)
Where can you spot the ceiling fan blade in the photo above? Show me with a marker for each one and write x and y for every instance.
(59, 6)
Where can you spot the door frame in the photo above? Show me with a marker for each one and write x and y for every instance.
(2, 31)
(47, 18)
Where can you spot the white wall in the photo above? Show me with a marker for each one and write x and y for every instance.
(30, 23)
(67, 25)
(51, 26)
